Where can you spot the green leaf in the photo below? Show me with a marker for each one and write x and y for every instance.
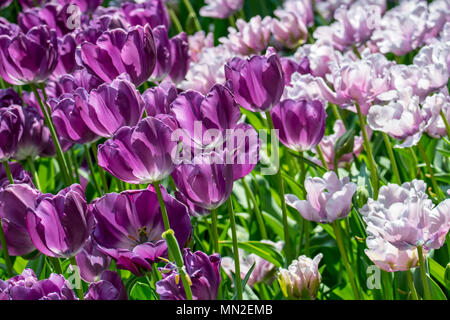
(436, 291)
(437, 271)
(140, 291)
(264, 250)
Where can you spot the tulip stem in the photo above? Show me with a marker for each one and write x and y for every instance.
(6, 257)
(237, 264)
(287, 242)
(368, 148)
(100, 170)
(59, 153)
(423, 272)
(436, 188)
(340, 243)
(91, 168)
(447, 125)
(259, 217)
(56, 264)
(192, 14)
(411, 285)
(34, 173)
(321, 157)
(162, 205)
(174, 250)
(215, 234)
(175, 20)
(390, 152)
(8, 172)
(76, 269)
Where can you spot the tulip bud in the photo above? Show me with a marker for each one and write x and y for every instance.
(302, 278)
(362, 195)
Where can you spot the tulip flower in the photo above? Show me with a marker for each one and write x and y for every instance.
(140, 154)
(328, 198)
(110, 287)
(157, 100)
(67, 119)
(197, 42)
(301, 123)
(18, 63)
(92, 261)
(406, 218)
(18, 173)
(152, 12)
(291, 66)
(8, 97)
(14, 201)
(163, 52)
(302, 278)
(118, 51)
(434, 105)
(87, 6)
(179, 57)
(54, 16)
(205, 182)
(27, 286)
(5, 3)
(220, 9)
(257, 83)
(289, 30)
(60, 225)
(11, 130)
(66, 61)
(130, 225)
(204, 274)
(111, 107)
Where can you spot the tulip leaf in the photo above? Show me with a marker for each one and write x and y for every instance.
(344, 145)
(264, 250)
(436, 291)
(437, 271)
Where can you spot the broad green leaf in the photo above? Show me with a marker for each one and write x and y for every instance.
(437, 271)
(263, 250)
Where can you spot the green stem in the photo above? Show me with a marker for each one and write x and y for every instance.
(48, 122)
(390, 152)
(174, 249)
(436, 188)
(192, 13)
(368, 148)
(232, 21)
(34, 173)
(162, 206)
(386, 285)
(80, 292)
(411, 285)
(75, 164)
(447, 125)
(336, 113)
(423, 272)
(91, 168)
(8, 172)
(56, 264)
(237, 264)
(340, 243)
(175, 20)
(259, 217)
(321, 157)
(6, 257)
(215, 234)
(100, 170)
(287, 243)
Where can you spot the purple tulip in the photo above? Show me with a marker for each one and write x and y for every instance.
(290, 66)
(217, 111)
(111, 107)
(153, 12)
(30, 3)
(194, 210)
(203, 270)
(328, 198)
(18, 173)
(179, 57)
(92, 261)
(163, 52)
(257, 83)
(301, 123)
(8, 97)
(110, 287)
(36, 139)
(130, 225)
(206, 182)
(4, 3)
(158, 99)
(29, 57)
(66, 116)
(14, 201)
(52, 15)
(66, 63)
(118, 51)
(68, 83)
(87, 6)
(11, 130)
(7, 28)
(27, 287)
(60, 225)
(140, 154)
